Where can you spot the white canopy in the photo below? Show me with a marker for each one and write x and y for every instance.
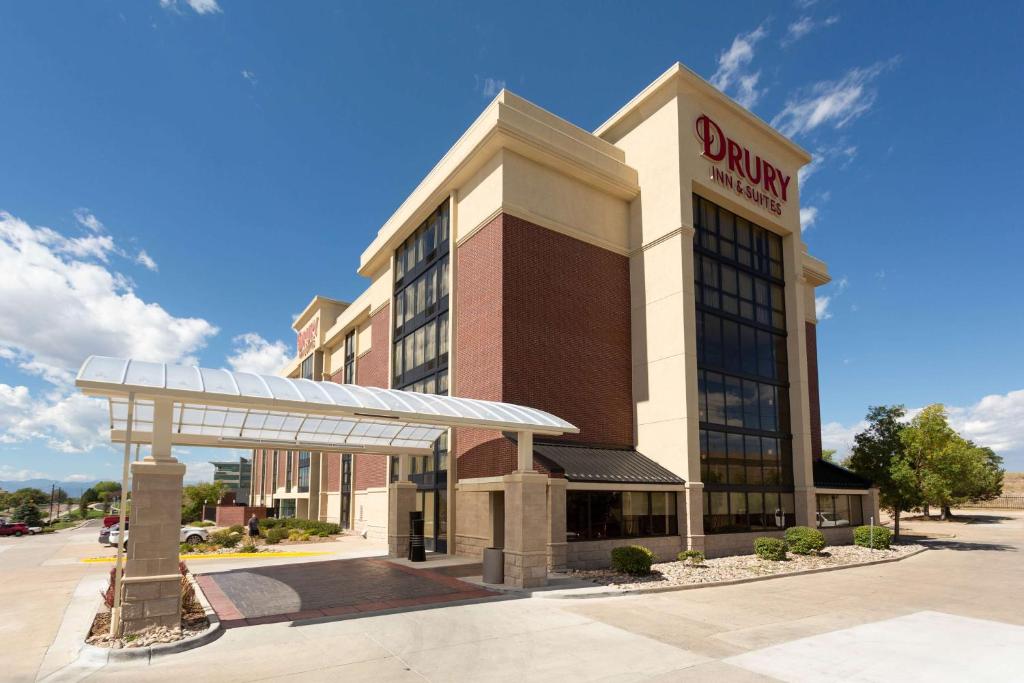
(245, 410)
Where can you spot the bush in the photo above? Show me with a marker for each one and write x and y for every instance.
(275, 536)
(632, 559)
(185, 548)
(225, 538)
(203, 523)
(804, 540)
(768, 548)
(298, 535)
(694, 557)
(314, 527)
(236, 529)
(879, 540)
(249, 548)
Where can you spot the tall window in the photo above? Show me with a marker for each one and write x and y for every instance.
(743, 387)
(288, 471)
(303, 471)
(840, 510)
(350, 358)
(306, 369)
(273, 474)
(346, 490)
(420, 354)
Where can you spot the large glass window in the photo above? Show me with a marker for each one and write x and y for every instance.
(306, 369)
(599, 515)
(303, 471)
(350, 358)
(836, 510)
(346, 490)
(288, 471)
(419, 356)
(742, 373)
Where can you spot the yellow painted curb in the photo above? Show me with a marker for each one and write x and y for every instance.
(222, 556)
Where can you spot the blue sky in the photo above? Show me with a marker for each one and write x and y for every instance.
(172, 172)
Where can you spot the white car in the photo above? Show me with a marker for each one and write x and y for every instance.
(189, 534)
(35, 530)
(827, 519)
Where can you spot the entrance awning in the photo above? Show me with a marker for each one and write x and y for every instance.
(226, 409)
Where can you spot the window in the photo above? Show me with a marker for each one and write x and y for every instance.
(350, 358)
(599, 515)
(306, 369)
(346, 490)
(303, 471)
(742, 373)
(835, 510)
(273, 474)
(288, 471)
(286, 508)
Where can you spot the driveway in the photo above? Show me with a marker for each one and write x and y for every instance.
(952, 613)
(264, 595)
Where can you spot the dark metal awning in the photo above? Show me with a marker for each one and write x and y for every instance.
(828, 475)
(595, 464)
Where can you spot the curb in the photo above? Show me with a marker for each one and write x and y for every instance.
(731, 582)
(225, 556)
(150, 652)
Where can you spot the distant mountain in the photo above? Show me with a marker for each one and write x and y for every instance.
(73, 488)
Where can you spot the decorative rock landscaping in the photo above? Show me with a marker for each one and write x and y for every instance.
(739, 567)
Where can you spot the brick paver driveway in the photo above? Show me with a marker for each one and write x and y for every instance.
(263, 595)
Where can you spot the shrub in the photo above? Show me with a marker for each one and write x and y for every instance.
(632, 559)
(225, 538)
(315, 527)
(879, 540)
(203, 523)
(249, 548)
(236, 529)
(275, 536)
(768, 548)
(184, 548)
(694, 557)
(298, 535)
(804, 540)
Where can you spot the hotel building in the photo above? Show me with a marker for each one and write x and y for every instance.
(647, 282)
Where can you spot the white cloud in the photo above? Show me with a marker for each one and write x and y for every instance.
(821, 307)
(200, 6)
(87, 220)
(57, 307)
(79, 477)
(249, 76)
(490, 87)
(803, 26)
(71, 423)
(808, 215)
(838, 437)
(253, 353)
(831, 102)
(732, 68)
(146, 260)
(8, 473)
(198, 472)
(808, 170)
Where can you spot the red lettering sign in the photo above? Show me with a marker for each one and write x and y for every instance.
(759, 182)
(307, 337)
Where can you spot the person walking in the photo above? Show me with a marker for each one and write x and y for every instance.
(254, 528)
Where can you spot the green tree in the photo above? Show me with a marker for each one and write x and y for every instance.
(107, 492)
(28, 513)
(29, 495)
(197, 495)
(879, 455)
(960, 473)
(88, 497)
(924, 440)
(828, 455)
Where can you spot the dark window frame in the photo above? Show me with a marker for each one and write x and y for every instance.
(601, 521)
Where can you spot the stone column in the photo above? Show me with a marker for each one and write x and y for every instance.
(401, 501)
(558, 548)
(152, 582)
(526, 533)
(690, 505)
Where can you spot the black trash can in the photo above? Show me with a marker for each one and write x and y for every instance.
(417, 548)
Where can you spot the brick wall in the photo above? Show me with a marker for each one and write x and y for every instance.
(282, 467)
(813, 395)
(552, 332)
(371, 471)
(333, 463)
(372, 367)
(229, 515)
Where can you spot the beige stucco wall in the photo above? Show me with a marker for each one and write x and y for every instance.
(370, 513)
(473, 529)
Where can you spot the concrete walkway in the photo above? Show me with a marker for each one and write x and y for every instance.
(952, 613)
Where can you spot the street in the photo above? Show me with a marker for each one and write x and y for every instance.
(954, 606)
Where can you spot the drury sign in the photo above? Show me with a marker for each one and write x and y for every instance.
(746, 174)
(308, 337)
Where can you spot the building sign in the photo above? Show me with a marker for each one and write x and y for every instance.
(735, 168)
(308, 337)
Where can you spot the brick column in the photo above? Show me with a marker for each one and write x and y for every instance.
(558, 548)
(401, 501)
(152, 582)
(526, 533)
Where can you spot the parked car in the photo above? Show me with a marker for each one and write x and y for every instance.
(35, 530)
(111, 520)
(827, 519)
(189, 534)
(13, 528)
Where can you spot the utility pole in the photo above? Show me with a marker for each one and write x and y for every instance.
(53, 488)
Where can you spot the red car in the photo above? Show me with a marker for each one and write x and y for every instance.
(111, 520)
(13, 529)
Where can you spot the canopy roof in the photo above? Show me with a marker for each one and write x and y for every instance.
(228, 409)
